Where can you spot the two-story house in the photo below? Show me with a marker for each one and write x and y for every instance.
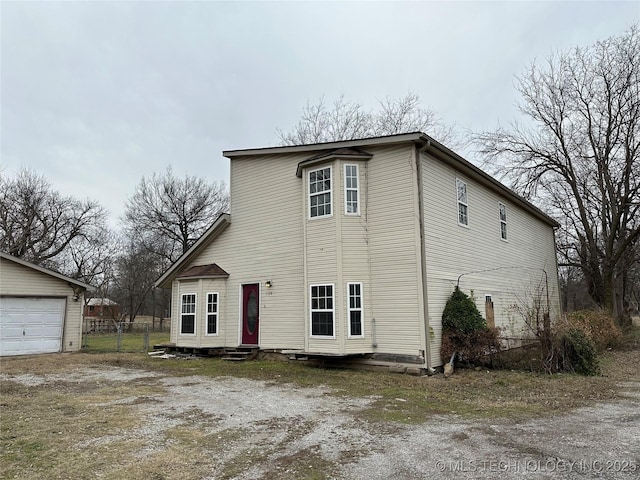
(353, 247)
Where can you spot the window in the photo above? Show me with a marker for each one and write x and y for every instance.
(463, 217)
(320, 192)
(212, 313)
(188, 314)
(351, 192)
(489, 313)
(354, 309)
(322, 322)
(503, 220)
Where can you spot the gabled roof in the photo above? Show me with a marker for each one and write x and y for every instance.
(424, 142)
(221, 223)
(46, 271)
(203, 271)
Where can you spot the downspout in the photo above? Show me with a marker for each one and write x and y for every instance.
(423, 260)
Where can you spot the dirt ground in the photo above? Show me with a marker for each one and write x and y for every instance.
(194, 427)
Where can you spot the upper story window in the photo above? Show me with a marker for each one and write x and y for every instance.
(502, 208)
(463, 207)
(188, 314)
(351, 190)
(212, 313)
(320, 192)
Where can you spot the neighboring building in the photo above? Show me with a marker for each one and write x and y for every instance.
(40, 310)
(353, 247)
(102, 308)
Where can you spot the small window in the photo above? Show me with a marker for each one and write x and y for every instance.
(188, 314)
(354, 309)
(351, 190)
(463, 217)
(320, 192)
(212, 313)
(503, 220)
(322, 319)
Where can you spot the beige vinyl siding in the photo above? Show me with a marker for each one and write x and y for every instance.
(355, 260)
(264, 242)
(175, 312)
(513, 266)
(377, 248)
(395, 267)
(19, 280)
(323, 267)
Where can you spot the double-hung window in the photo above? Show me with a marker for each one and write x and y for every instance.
(351, 190)
(320, 192)
(354, 309)
(502, 209)
(188, 314)
(322, 311)
(463, 207)
(212, 313)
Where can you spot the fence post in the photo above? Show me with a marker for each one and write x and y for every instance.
(146, 337)
(85, 333)
(119, 338)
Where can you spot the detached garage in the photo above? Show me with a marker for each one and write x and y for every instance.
(40, 310)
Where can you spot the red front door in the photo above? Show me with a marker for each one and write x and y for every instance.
(250, 314)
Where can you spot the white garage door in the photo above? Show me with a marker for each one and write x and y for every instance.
(31, 325)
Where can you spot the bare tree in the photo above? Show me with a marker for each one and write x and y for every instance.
(346, 120)
(168, 214)
(580, 155)
(92, 260)
(41, 226)
(136, 269)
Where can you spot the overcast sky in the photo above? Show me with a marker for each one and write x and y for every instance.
(94, 95)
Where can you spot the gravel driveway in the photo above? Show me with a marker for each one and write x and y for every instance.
(285, 427)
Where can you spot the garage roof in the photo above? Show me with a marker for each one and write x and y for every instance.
(46, 271)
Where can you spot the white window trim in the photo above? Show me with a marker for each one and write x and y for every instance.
(330, 192)
(503, 222)
(333, 310)
(349, 310)
(357, 189)
(195, 315)
(207, 313)
(458, 203)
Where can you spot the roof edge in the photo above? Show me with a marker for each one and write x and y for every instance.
(325, 157)
(384, 140)
(46, 271)
(445, 151)
(221, 223)
(428, 143)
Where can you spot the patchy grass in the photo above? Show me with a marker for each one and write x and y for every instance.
(131, 342)
(408, 399)
(398, 398)
(47, 433)
(67, 429)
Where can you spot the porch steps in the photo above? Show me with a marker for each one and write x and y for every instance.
(239, 354)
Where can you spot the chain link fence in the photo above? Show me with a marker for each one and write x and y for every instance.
(108, 335)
